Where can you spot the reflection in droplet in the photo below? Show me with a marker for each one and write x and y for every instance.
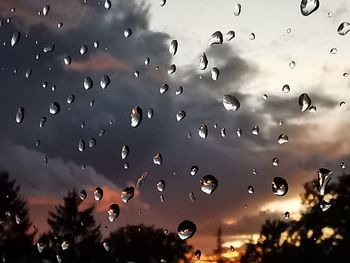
(203, 131)
(136, 116)
(304, 102)
(307, 7)
(230, 103)
(237, 9)
(173, 47)
(113, 212)
(180, 115)
(216, 38)
(98, 193)
(54, 108)
(215, 73)
(186, 229)
(203, 62)
(124, 152)
(279, 186)
(250, 189)
(127, 194)
(157, 159)
(20, 115)
(105, 81)
(323, 178)
(208, 184)
(160, 185)
(343, 28)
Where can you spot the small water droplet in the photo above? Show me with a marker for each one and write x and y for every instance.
(289, 30)
(230, 103)
(216, 38)
(179, 90)
(342, 103)
(215, 73)
(186, 229)
(83, 49)
(173, 47)
(275, 161)
(164, 88)
(292, 64)
(98, 194)
(59, 25)
(67, 60)
(286, 215)
(107, 4)
(307, 7)
(180, 115)
(105, 81)
(127, 194)
(157, 159)
(191, 197)
(20, 115)
(96, 44)
(250, 189)
(203, 131)
(113, 212)
(252, 36)
(323, 178)
(82, 195)
(92, 142)
(150, 113)
(136, 116)
(324, 205)
(282, 138)
(161, 185)
(70, 99)
(343, 28)
(88, 84)
(279, 186)
(54, 108)
(124, 152)
(286, 88)
(223, 132)
(172, 69)
(208, 184)
(342, 165)
(312, 108)
(147, 60)
(28, 73)
(49, 48)
(203, 62)
(46, 9)
(230, 35)
(15, 38)
(106, 245)
(136, 73)
(239, 133)
(304, 102)
(42, 122)
(254, 171)
(237, 9)
(333, 51)
(265, 97)
(256, 130)
(194, 170)
(81, 145)
(127, 32)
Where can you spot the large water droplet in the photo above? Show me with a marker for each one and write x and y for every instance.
(105, 81)
(107, 4)
(20, 115)
(161, 185)
(127, 32)
(203, 131)
(54, 108)
(15, 38)
(127, 194)
(157, 159)
(98, 194)
(304, 102)
(136, 116)
(186, 229)
(343, 28)
(237, 9)
(124, 152)
(113, 212)
(230, 103)
(203, 62)
(215, 73)
(279, 186)
(208, 184)
(81, 145)
(323, 178)
(173, 47)
(180, 115)
(307, 7)
(88, 83)
(216, 38)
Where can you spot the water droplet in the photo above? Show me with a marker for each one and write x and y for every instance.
(46, 9)
(172, 69)
(216, 38)
(59, 25)
(239, 132)
(82, 195)
(20, 115)
(67, 60)
(44, 85)
(126, 166)
(98, 194)
(162, 2)
(307, 7)
(237, 9)
(304, 102)
(157, 159)
(107, 4)
(208, 184)
(230, 103)
(279, 186)
(194, 170)
(136, 73)
(37, 143)
(70, 99)
(127, 194)
(186, 229)
(105, 81)
(265, 97)
(230, 35)
(285, 88)
(83, 49)
(150, 113)
(333, 51)
(96, 44)
(88, 83)
(28, 73)
(275, 161)
(15, 38)
(289, 30)
(42, 244)
(251, 36)
(173, 47)
(162, 199)
(92, 142)
(17, 219)
(161, 185)
(323, 178)
(54, 108)
(136, 116)
(191, 197)
(127, 32)
(329, 14)
(203, 62)
(282, 138)
(342, 103)
(203, 131)
(179, 90)
(81, 145)
(324, 205)
(124, 152)
(105, 245)
(164, 88)
(113, 212)
(255, 130)
(141, 180)
(42, 122)
(147, 60)
(343, 28)
(215, 73)
(180, 115)
(312, 108)
(286, 215)
(254, 171)
(292, 64)
(342, 165)
(197, 254)
(223, 132)
(49, 48)
(250, 189)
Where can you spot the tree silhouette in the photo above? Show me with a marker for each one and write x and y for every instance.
(74, 235)
(15, 240)
(146, 244)
(321, 234)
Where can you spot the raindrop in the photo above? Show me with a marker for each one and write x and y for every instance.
(150, 113)
(67, 60)
(250, 189)
(343, 28)
(37, 143)
(20, 115)
(127, 32)
(215, 73)
(312, 108)
(275, 161)
(237, 9)
(307, 7)
(70, 99)
(194, 170)
(98, 194)
(333, 51)
(341, 103)
(208, 184)
(127, 194)
(88, 83)
(172, 69)
(265, 97)
(28, 73)
(162, 2)
(105, 81)
(157, 159)
(180, 115)
(255, 130)
(59, 25)
(136, 73)
(292, 64)
(203, 131)
(49, 48)
(164, 88)
(81, 145)
(107, 4)
(286, 215)
(15, 38)
(186, 229)
(136, 116)
(223, 132)
(82, 195)
(304, 102)
(282, 138)
(285, 88)
(289, 30)
(254, 171)
(230, 35)
(342, 165)
(46, 9)
(147, 60)
(105, 245)
(251, 36)
(101, 132)
(113, 212)
(43, 243)
(96, 44)
(232, 248)
(346, 74)
(44, 85)
(324, 205)
(279, 186)
(54, 108)
(203, 62)
(329, 14)
(216, 38)
(239, 132)
(17, 219)
(161, 197)
(124, 152)
(191, 197)
(141, 180)
(160, 185)
(92, 142)
(323, 178)
(179, 90)
(173, 47)
(126, 166)
(83, 49)
(197, 254)
(230, 103)
(42, 122)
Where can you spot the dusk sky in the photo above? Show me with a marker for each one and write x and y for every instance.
(249, 68)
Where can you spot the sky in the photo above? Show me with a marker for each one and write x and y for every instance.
(248, 70)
